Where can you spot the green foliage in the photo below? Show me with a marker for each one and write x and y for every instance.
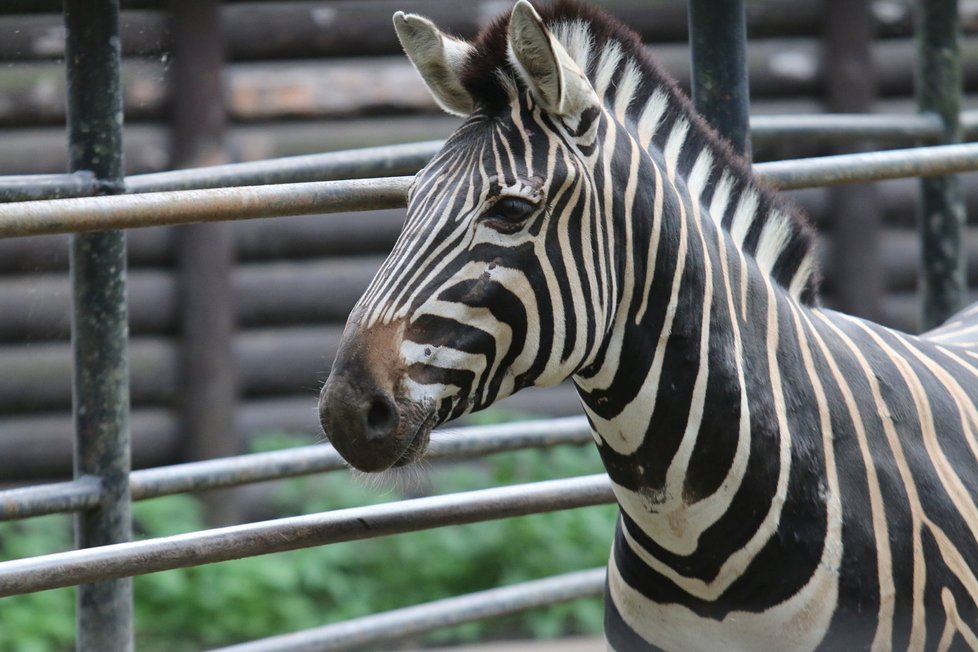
(219, 604)
(37, 622)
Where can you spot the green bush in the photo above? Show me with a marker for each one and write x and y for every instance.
(219, 604)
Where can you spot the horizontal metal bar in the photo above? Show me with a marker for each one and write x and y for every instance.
(399, 624)
(304, 460)
(846, 127)
(27, 187)
(193, 549)
(186, 206)
(53, 498)
(869, 166)
(405, 159)
(247, 202)
(291, 462)
(390, 160)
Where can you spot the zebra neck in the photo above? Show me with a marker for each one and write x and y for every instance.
(668, 395)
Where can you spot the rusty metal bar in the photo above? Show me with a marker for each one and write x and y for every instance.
(399, 624)
(869, 166)
(53, 498)
(368, 162)
(183, 207)
(187, 206)
(99, 325)
(288, 463)
(844, 128)
(409, 158)
(29, 187)
(137, 558)
(395, 160)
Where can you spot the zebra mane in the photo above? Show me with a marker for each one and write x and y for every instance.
(766, 227)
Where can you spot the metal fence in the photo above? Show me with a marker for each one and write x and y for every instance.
(95, 201)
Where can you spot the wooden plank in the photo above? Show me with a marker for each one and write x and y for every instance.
(42, 36)
(39, 447)
(33, 91)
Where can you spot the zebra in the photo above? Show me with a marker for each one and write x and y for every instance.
(788, 477)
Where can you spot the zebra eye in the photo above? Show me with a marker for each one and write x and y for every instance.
(509, 213)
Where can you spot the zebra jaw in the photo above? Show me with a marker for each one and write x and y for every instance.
(366, 414)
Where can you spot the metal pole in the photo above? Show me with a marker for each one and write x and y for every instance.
(81, 214)
(205, 254)
(942, 219)
(850, 84)
(867, 166)
(279, 535)
(718, 40)
(473, 441)
(400, 624)
(99, 324)
(185, 206)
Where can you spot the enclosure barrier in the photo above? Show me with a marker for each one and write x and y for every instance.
(325, 183)
(83, 493)
(412, 621)
(84, 214)
(76, 567)
(406, 159)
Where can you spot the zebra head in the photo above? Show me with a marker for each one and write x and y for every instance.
(491, 286)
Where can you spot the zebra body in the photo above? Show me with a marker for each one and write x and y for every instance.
(789, 477)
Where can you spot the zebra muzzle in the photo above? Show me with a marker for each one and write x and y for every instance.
(363, 414)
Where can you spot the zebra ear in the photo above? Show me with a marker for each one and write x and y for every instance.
(554, 77)
(438, 58)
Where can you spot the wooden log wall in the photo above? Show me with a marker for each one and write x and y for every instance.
(302, 76)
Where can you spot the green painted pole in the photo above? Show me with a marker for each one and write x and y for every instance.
(943, 279)
(99, 329)
(718, 44)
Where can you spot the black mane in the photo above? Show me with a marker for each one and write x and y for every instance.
(481, 78)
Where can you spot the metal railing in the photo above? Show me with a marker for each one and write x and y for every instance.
(102, 492)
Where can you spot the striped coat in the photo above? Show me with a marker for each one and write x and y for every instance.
(789, 477)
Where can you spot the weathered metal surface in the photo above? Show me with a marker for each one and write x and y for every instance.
(844, 128)
(390, 160)
(718, 40)
(210, 205)
(27, 187)
(943, 282)
(55, 498)
(869, 166)
(409, 158)
(400, 624)
(222, 544)
(99, 323)
(293, 462)
(184, 207)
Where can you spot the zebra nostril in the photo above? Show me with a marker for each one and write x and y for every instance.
(381, 417)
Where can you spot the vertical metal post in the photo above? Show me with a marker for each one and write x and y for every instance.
(850, 87)
(99, 325)
(718, 40)
(942, 219)
(205, 252)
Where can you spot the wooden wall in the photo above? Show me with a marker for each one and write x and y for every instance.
(297, 77)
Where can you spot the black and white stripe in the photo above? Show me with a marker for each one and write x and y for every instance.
(789, 477)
